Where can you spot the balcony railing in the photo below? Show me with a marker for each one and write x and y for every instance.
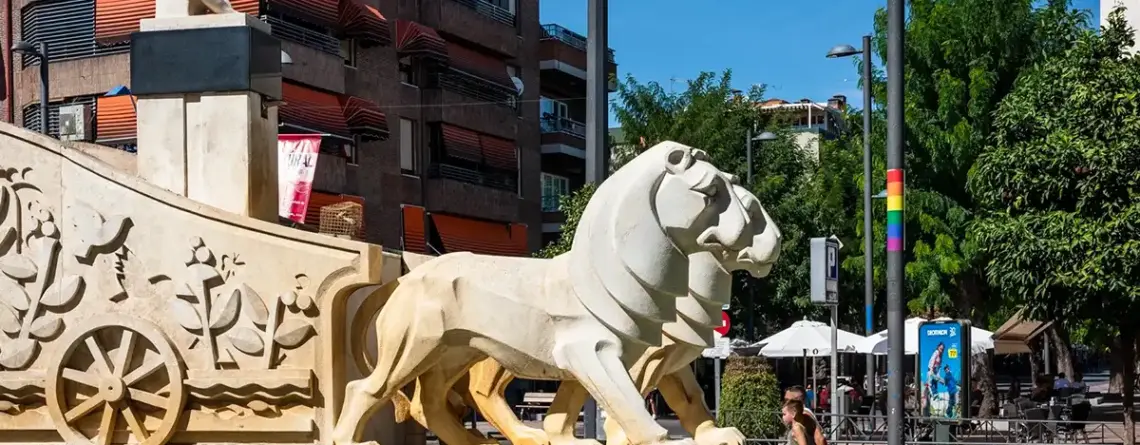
(478, 175)
(563, 125)
(475, 87)
(809, 127)
(494, 12)
(571, 38)
(299, 34)
(551, 203)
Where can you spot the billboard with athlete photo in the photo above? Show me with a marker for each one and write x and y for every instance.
(944, 368)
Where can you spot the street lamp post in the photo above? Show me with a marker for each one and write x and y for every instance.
(750, 326)
(39, 51)
(868, 266)
(896, 123)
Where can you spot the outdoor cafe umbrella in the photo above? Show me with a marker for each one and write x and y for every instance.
(807, 338)
(980, 339)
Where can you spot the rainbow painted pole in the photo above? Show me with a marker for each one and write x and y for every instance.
(895, 241)
(896, 278)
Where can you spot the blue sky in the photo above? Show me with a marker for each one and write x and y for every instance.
(780, 43)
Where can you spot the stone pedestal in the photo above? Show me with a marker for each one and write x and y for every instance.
(207, 90)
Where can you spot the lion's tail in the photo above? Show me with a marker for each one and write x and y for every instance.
(367, 311)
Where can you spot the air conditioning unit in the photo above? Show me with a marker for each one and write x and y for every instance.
(75, 122)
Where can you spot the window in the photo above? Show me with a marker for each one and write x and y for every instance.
(350, 151)
(553, 188)
(407, 146)
(348, 52)
(408, 72)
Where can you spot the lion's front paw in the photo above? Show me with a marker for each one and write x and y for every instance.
(720, 436)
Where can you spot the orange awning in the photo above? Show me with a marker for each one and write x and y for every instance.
(317, 12)
(414, 39)
(413, 222)
(251, 7)
(363, 117)
(115, 20)
(484, 65)
(312, 109)
(364, 23)
(115, 119)
(499, 152)
(461, 143)
(460, 234)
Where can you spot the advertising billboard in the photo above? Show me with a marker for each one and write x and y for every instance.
(944, 360)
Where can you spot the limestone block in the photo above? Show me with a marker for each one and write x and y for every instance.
(131, 312)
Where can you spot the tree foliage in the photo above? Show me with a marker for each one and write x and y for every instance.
(750, 398)
(709, 114)
(962, 58)
(1061, 180)
(571, 206)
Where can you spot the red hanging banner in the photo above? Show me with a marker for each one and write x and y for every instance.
(296, 166)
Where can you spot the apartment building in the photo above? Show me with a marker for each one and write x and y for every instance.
(427, 107)
(810, 120)
(562, 67)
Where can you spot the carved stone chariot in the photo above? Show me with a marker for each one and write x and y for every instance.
(154, 299)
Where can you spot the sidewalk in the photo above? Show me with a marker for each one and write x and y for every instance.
(670, 424)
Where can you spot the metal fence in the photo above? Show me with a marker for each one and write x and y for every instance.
(871, 429)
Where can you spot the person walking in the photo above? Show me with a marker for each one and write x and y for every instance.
(802, 427)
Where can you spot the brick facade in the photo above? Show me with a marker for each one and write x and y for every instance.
(377, 176)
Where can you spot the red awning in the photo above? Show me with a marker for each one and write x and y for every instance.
(364, 23)
(481, 64)
(115, 119)
(413, 236)
(317, 12)
(499, 153)
(462, 143)
(460, 234)
(414, 39)
(363, 117)
(115, 20)
(312, 109)
(473, 146)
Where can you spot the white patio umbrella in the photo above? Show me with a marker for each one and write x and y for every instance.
(807, 339)
(980, 339)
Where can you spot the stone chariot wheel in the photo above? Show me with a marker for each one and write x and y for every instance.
(114, 370)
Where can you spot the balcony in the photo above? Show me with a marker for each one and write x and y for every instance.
(571, 38)
(473, 86)
(563, 141)
(490, 11)
(562, 61)
(563, 125)
(482, 175)
(291, 32)
(550, 203)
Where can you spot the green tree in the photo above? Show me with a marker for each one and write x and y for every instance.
(750, 398)
(571, 206)
(1062, 179)
(962, 58)
(709, 114)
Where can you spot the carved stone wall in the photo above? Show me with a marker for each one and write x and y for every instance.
(130, 311)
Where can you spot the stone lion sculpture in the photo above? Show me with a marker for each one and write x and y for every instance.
(665, 367)
(586, 316)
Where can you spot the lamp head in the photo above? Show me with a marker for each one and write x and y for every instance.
(842, 51)
(765, 137)
(286, 59)
(23, 47)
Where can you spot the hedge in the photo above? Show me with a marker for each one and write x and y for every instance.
(750, 398)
